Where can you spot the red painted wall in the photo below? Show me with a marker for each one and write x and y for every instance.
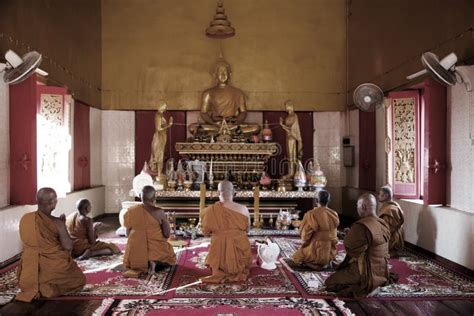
(367, 154)
(144, 129)
(82, 144)
(23, 168)
(276, 166)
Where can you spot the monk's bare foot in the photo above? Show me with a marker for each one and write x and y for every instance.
(85, 255)
(151, 267)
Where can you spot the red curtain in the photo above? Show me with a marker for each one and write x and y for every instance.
(23, 168)
(82, 152)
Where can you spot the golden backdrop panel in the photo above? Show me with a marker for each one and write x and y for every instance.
(282, 49)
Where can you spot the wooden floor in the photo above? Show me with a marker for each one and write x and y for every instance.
(358, 307)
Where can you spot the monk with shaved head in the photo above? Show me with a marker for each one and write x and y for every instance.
(46, 268)
(392, 214)
(365, 266)
(227, 222)
(82, 230)
(148, 229)
(319, 234)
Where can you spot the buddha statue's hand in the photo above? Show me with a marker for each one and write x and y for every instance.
(281, 120)
(171, 120)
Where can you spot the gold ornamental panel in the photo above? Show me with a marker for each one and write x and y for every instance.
(404, 144)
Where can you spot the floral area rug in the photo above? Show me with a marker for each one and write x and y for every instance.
(224, 306)
(419, 277)
(260, 283)
(104, 278)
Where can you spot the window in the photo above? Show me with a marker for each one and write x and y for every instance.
(416, 121)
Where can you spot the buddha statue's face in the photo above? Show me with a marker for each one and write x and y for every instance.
(222, 74)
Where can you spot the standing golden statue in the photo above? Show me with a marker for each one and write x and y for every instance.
(294, 143)
(160, 138)
(223, 102)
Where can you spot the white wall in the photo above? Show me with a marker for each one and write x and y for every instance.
(4, 146)
(10, 244)
(118, 157)
(442, 230)
(95, 127)
(327, 150)
(351, 122)
(460, 146)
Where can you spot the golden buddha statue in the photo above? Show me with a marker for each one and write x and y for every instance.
(294, 142)
(223, 102)
(160, 138)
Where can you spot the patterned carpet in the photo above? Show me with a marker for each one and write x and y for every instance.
(283, 291)
(418, 277)
(260, 283)
(224, 306)
(104, 278)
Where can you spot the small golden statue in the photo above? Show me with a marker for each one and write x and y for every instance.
(160, 138)
(294, 143)
(223, 103)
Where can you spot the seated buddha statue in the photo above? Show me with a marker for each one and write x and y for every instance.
(223, 102)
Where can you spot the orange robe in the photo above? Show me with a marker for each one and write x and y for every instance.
(146, 241)
(319, 233)
(79, 236)
(46, 270)
(392, 214)
(230, 257)
(365, 266)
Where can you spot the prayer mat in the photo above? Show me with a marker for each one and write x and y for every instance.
(260, 283)
(104, 278)
(224, 306)
(419, 277)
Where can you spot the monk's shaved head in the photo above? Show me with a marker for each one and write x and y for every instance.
(47, 200)
(82, 204)
(226, 189)
(148, 193)
(385, 193)
(324, 197)
(44, 194)
(367, 205)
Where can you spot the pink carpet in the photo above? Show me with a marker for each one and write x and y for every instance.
(418, 277)
(104, 278)
(261, 282)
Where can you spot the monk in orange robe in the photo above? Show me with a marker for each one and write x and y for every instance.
(46, 267)
(365, 266)
(392, 214)
(319, 233)
(230, 257)
(148, 230)
(82, 230)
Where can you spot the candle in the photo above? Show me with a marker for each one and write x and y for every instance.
(256, 207)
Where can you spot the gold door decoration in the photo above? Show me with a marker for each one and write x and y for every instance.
(53, 144)
(404, 144)
(51, 108)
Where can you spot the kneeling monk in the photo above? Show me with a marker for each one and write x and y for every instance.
(365, 266)
(319, 233)
(392, 214)
(46, 267)
(83, 234)
(148, 230)
(230, 257)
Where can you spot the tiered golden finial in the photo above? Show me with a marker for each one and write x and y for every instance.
(220, 27)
